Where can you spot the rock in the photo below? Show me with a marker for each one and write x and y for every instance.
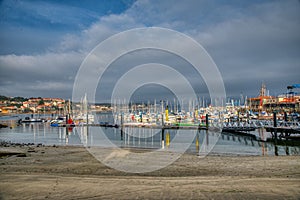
(3, 126)
(31, 150)
(39, 145)
(21, 155)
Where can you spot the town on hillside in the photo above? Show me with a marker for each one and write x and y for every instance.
(16, 105)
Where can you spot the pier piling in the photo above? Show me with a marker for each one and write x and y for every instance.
(206, 121)
(275, 127)
(285, 117)
(163, 138)
(122, 122)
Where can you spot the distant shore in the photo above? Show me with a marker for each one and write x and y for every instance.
(55, 113)
(35, 171)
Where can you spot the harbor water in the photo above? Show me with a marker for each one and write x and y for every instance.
(138, 137)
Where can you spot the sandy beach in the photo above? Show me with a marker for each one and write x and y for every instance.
(64, 172)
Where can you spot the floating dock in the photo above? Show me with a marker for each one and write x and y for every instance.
(284, 132)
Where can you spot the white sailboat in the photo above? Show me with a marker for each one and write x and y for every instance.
(84, 117)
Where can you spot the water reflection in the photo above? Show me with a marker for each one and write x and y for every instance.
(147, 138)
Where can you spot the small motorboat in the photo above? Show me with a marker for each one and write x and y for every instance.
(31, 120)
(59, 121)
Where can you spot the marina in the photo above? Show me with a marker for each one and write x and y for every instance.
(145, 136)
(200, 129)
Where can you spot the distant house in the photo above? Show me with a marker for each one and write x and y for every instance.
(57, 101)
(9, 109)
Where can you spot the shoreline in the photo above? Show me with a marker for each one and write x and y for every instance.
(70, 172)
(8, 144)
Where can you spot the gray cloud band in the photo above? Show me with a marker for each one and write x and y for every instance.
(100, 58)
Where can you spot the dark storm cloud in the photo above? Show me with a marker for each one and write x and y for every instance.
(250, 41)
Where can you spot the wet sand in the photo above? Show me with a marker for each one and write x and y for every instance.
(43, 172)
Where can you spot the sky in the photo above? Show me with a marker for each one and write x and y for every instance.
(43, 43)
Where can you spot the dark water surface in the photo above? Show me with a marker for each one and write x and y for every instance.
(215, 143)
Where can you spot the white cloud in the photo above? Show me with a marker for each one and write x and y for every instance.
(97, 32)
(45, 73)
(260, 40)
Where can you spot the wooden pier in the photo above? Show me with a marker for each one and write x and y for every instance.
(231, 129)
(166, 126)
(238, 129)
(284, 132)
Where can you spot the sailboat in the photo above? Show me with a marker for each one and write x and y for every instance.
(84, 117)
